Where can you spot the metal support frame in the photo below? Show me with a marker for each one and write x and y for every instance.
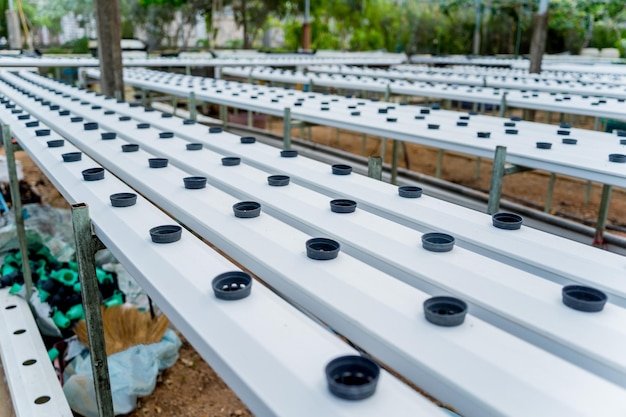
(500, 170)
(224, 115)
(287, 128)
(86, 246)
(383, 148)
(364, 144)
(603, 213)
(192, 106)
(503, 104)
(588, 192)
(596, 123)
(394, 161)
(187, 70)
(375, 167)
(174, 104)
(477, 168)
(16, 199)
(497, 175)
(440, 154)
(144, 97)
(548, 206)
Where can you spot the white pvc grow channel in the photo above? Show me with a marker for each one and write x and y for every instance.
(215, 206)
(289, 351)
(568, 262)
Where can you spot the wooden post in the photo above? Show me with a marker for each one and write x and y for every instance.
(109, 47)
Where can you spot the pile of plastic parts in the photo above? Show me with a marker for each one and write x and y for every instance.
(57, 285)
(56, 301)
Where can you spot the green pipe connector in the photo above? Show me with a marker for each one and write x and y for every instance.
(103, 276)
(60, 320)
(15, 288)
(53, 354)
(115, 300)
(65, 276)
(75, 313)
(7, 269)
(43, 295)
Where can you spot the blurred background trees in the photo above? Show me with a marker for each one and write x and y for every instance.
(412, 26)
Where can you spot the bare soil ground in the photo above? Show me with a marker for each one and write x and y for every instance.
(192, 389)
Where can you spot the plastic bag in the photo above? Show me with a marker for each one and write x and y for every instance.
(133, 373)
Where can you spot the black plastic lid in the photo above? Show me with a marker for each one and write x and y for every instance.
(247, 139)
(322, 249)
(42, 132)
(131, 147)
(123, 199)
(166, 135)
(508, 221)
(157, 162)
(581, 298)
(166, 234)
(72, 156)
(93, 174)
(193, 146)
(342, 205)
(108, 135)
(232, 285)
(544, 145)
(288, 153)
(230, 161)
(278, 180)
(247, 209)
(437, 242)
(195, 183)
(341, 169)
(352, 377)
(55, 143)
(410, 191)
(445, 311)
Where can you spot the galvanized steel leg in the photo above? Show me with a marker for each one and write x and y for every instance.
(603, 214)
(596, 123)
(548, 206)
(364, 144)
(250, 118)
(143, 97)
(503, 105)
(187, 70)
(477, 169)
(16, 198)
(588, 192)
(86, 246)
(287, 128)
(439, 163)
(193, 108)
(383, 148)
(174, 104)
(375, 167)
(497, 177)
(548, 117)
(394, 161)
